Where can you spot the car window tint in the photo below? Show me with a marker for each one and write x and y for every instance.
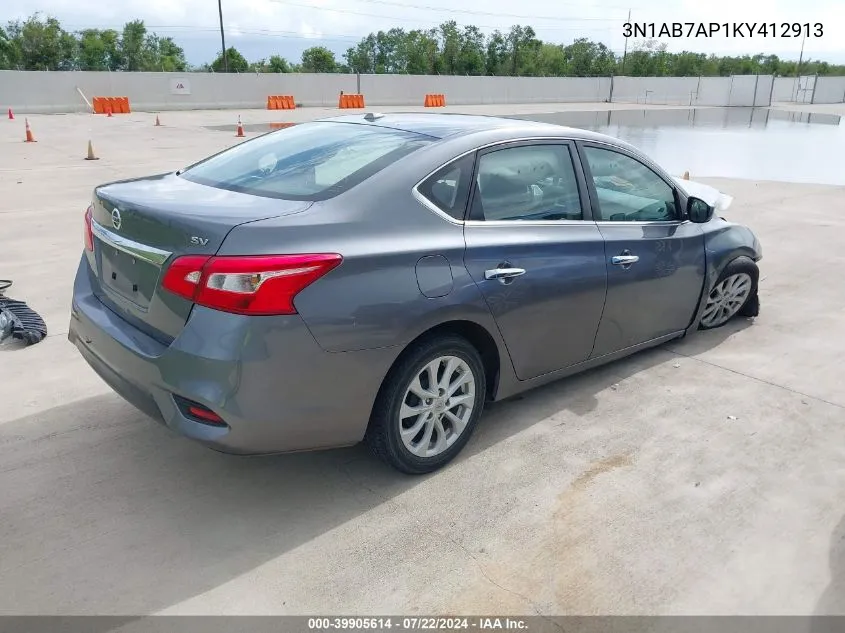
(530, 182)
(310, 161)
(448, 188)
(627, 190)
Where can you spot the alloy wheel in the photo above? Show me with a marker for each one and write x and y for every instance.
(726, 299)
(437, 406)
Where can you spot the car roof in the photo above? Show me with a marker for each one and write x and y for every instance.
(442, 125)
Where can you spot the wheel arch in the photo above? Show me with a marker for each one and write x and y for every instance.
(716, 264)
(476, 334)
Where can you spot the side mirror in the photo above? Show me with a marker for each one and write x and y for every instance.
(699, 211)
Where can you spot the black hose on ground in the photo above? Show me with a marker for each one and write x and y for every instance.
(18, 320)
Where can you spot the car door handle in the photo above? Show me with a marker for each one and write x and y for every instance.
(624, 260)
(503, 273)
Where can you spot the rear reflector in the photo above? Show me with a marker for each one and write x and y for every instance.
(89, 231)
(259, 285)
(205, 414)
(195, 410)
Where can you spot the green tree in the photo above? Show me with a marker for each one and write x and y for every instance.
(162, 54)
(647, 59)
(237, 62)
(523, 50)
(361, 58)
(551, 61)
(450, 47)
(418, 53)
(770, 65)
(470, 59)
(99, 50)
(318, 59)
(497, 54)
(132, 45)
(8, 56)
(450, 50)
(687, 64)
(40, 44)
(278, 64)
(275, 64)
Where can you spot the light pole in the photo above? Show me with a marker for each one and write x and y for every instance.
(800, 57)
(625, 52)
(223, 37)
(798, 73)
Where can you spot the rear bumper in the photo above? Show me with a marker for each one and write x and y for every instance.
(266, 377)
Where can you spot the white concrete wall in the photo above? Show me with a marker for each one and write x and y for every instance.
(809, 89)
(713, 91)
(763, 93)
(662, 90)
(27, 91)
(742, 90)
(738, 90)
(829, 90)
(56, 91)
(463, 90)
(784, 90)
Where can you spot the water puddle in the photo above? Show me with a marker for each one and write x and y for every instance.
(753, 143)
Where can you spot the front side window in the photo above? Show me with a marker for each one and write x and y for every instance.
(627, 190)
(311, 161)
(529, 182)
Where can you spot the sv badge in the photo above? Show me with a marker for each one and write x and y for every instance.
(199, 241)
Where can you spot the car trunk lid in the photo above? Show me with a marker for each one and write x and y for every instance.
(141, 225)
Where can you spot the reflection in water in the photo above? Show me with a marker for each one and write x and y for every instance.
(754, 143)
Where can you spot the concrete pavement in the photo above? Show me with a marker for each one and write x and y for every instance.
(706, 476)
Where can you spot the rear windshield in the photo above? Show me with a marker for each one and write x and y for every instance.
(311, 161)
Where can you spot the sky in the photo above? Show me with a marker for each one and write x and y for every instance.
(260, 28)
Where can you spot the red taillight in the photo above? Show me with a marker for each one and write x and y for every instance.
(89, 232)
(183, 275)
(261, 284)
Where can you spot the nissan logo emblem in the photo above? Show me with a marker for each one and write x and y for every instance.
(115, 219)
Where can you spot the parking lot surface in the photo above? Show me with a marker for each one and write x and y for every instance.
(706, 476)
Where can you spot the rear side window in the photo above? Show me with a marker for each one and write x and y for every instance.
(311, 161)
(448, 188)
(527, 183)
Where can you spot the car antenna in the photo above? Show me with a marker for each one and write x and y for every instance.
(372, 116)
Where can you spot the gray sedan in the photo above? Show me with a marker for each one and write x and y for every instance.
(380, 277)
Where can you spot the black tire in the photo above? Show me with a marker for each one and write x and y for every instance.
(751, 307)
(383, 435)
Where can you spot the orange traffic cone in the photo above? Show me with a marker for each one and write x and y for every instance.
(240, 127)
(11, 114)
(158, 123)
(29, 137)
(108, 111)
(91, 155)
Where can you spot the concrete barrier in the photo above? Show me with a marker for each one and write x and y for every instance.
(33, 91)
(809, 89)
(470, 90)
(829, 90)
(785, 89)
(737, 90)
